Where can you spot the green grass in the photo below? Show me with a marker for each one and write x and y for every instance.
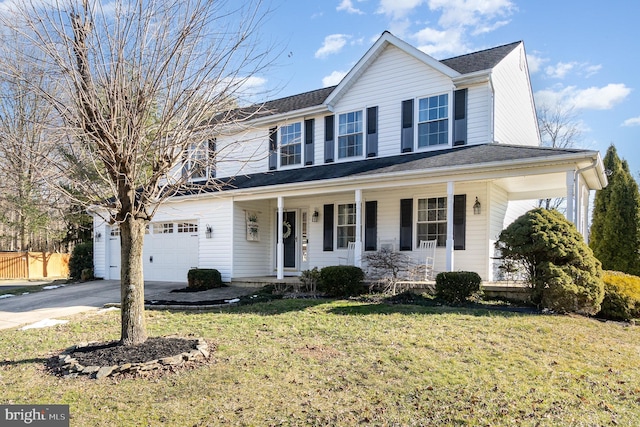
(31, 289)
(322, 362)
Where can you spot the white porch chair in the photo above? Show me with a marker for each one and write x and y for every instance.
(428, 251)
(350, 258)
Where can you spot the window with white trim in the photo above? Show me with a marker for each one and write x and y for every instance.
(187, 227)
(291, 144)
(346, 225)
(432, 220)
(350, 138)
(433, 120)
(199, 162)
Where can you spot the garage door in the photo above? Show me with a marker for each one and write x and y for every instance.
(170, 251)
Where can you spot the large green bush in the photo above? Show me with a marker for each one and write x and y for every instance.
(456, 286)
(621, 296)
(341, 281)
(81, 259)
(563, 273)
(204, 278)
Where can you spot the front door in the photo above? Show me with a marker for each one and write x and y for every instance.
(289, 239)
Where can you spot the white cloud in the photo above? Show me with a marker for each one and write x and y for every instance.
(398, 9)
(434, 42)
(470, 13)
(593, 98)
(333, 43)
(535, 62)
(334, 78)
(347, 6)
(634, 121)
(560, 70)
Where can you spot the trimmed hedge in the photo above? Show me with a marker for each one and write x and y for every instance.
(204, 278)
(81, 259)
(456, 286)
(341, 281)
(621, 296)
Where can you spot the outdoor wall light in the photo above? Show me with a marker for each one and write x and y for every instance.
(98, 236)
(315, 216)
(208, 231)
(476, 207)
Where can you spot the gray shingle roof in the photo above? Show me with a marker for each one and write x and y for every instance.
(481, 60)
(424, 161)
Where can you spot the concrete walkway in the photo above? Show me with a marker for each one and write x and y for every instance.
(81, 297)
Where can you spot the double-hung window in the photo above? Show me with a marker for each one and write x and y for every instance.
(199, 164)
(291, 144)
(346, 225)
(350, 138)
(432, 220)
(433, 121)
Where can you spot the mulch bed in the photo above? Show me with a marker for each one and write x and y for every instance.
(112, 353)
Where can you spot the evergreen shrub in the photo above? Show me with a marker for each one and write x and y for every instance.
(204, 278)
(81, 259)
(456, 286)
(621, 296)
(341, 281)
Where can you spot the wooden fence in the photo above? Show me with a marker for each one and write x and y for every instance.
(33, 265)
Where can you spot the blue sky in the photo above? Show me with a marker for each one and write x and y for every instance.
(582, 54)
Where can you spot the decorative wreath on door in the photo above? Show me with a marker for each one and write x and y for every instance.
(287, 229)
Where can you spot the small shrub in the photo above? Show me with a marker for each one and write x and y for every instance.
(204, 278)
(81, 259)
(341, 281)
(455, 287)
(310, 279)
(86, 275)
(621, 296)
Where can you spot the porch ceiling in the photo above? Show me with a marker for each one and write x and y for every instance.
(529, 187)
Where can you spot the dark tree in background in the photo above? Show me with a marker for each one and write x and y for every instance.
(615, 228)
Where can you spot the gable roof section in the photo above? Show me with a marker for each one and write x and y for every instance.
(481, 60)
(472, 155)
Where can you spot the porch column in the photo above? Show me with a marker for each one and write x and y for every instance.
(571, 202)
(280, 245)
(449, 247)
(357, 255)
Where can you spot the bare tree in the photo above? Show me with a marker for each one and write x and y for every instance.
(559, 128)
(134, 84)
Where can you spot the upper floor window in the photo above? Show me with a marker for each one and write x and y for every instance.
(432, 220)
(350, 134)
(433, 121)
(291, 144)
(199, 163)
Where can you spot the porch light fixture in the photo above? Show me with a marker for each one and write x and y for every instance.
(208, 231)
(476, 207)
(315, 216)
(98, 236)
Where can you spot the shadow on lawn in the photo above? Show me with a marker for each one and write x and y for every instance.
(386, 308)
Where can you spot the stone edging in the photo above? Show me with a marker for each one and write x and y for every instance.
(70, 367)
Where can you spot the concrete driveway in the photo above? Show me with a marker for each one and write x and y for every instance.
(69, 300)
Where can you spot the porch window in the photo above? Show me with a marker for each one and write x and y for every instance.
(433, 121)
(350, 134)
(346, 225)
(291, 144)
(432, 220)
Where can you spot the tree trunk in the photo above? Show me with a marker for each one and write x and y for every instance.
(134, 330)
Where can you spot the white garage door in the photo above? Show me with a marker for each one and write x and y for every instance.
(170, 251)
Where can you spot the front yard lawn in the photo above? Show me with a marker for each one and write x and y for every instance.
(323, 362)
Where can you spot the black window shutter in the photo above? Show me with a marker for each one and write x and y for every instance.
(211, 154)
(460, 117)
(406, 224)
(459, 221)
(370, 225)
(406, 137)
(372, 131)
(308, 141)
(328, 228)
(273, 148)
(328, 139)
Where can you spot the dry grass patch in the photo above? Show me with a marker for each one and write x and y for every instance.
(319, 362)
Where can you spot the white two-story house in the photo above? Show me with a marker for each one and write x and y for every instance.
(406, 148)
